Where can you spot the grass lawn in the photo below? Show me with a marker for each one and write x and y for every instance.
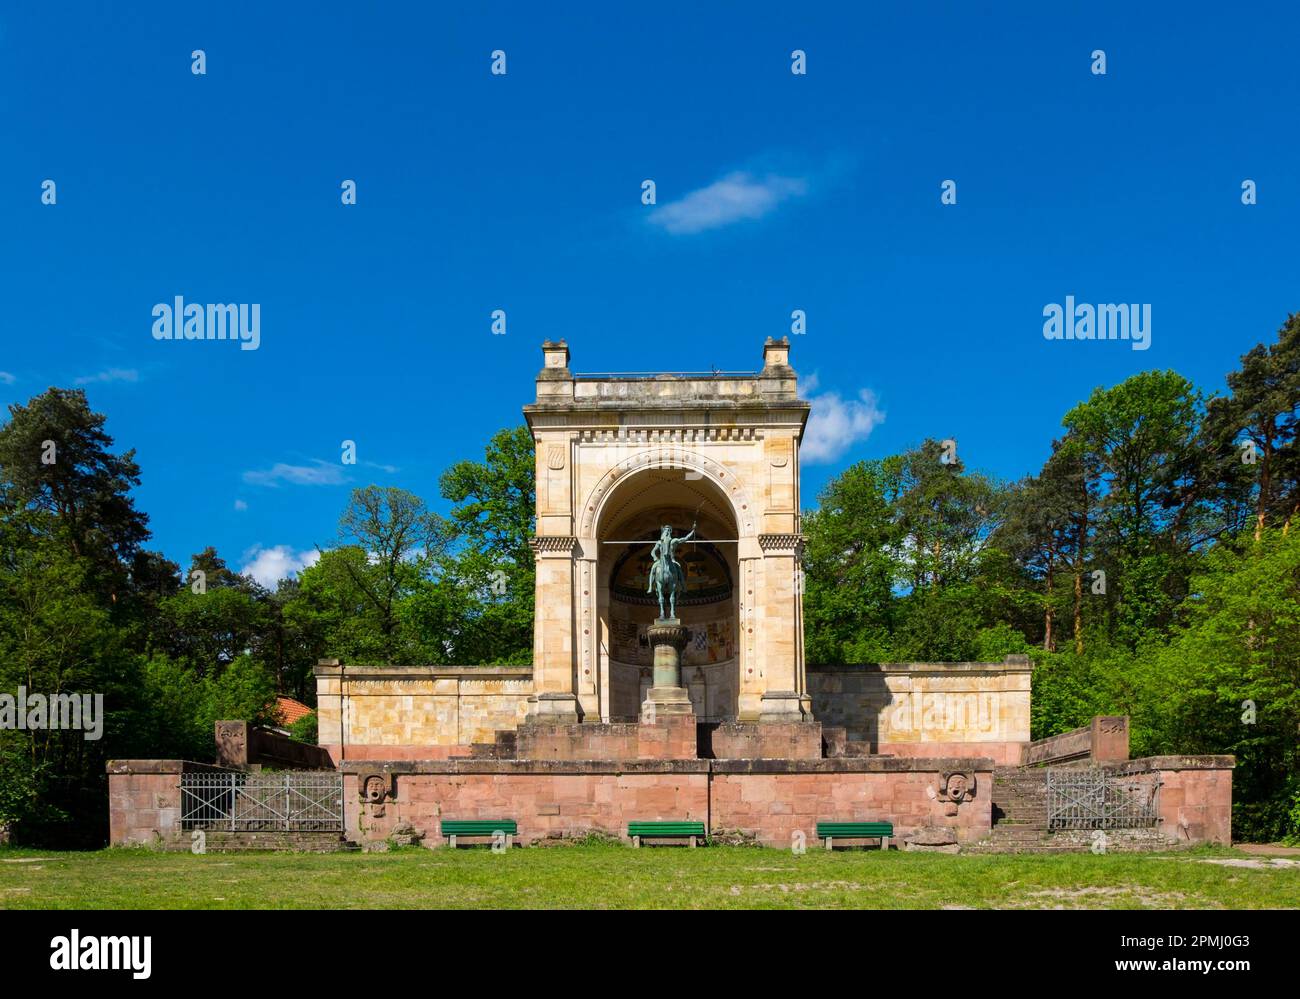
(615, 876)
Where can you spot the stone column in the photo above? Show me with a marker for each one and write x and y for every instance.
(587, 667)
(785, 697)
(667, 696)
(749, 691)
(555, 700)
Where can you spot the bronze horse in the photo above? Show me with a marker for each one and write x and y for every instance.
(666, 576)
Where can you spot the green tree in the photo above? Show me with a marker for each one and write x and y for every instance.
(1143, 439)
(850, 568)
(55, 457)
(946, 514)
(482, 560)
(388, 525)
(1214, 690)
(215, 619)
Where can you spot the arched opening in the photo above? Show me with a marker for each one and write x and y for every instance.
(630, 520)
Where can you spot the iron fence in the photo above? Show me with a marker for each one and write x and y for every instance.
(294, 801)
(1098, 799)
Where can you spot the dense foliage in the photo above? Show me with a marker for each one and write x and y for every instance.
(1150, 568)
(85, 607)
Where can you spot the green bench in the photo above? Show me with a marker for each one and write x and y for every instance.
(830, 831)
(478, 827)
(665, 830)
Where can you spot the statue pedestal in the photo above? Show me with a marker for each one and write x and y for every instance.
(667, 696)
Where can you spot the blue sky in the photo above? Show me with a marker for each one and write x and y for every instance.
(522, 192)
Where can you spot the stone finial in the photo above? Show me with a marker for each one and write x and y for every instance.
(776, 353)
(554, 381)
(555, 354)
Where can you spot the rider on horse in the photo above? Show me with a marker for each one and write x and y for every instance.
(665, 570)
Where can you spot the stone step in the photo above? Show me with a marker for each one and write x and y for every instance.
(225, 841)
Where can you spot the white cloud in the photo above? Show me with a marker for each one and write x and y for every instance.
(836, 424)
(110, 375)
(318, 473)
(6, 378)
(383, 468)
(270, 565)
(240, 505)
(737, 197)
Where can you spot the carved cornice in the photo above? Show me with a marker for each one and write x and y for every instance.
(781, 544)
(554, 545)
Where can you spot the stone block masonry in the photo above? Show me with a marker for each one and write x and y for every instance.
(911, 709)
(671, 738)
(416, 712)
(240, 745)
(770, 741)
(766, 801)
(928, 709)
(1104, 740)
(1195, 798)
(144, 802)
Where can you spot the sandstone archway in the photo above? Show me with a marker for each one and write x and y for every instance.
(723, 442)
(712, 607)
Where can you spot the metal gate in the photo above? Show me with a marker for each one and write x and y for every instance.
(1098, 799)
(295, 801)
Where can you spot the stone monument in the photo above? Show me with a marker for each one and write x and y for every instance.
(617, 457)
(667, 637)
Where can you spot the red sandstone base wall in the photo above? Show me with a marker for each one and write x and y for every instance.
(1195, 798)
(144, 802)
(144, 809)
(773, 807)
(766, 807)
(766, 801)
(544, 805)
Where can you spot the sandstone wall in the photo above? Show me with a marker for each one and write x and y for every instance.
(909, 709)
(928, 709)
(427, 711)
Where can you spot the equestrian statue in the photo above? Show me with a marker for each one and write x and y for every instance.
(666, 576)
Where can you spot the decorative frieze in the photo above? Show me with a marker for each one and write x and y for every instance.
(669, 435)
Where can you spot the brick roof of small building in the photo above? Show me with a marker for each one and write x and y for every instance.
(289, 711)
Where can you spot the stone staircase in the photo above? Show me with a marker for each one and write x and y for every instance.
(1020, 821)
(1019, 815)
